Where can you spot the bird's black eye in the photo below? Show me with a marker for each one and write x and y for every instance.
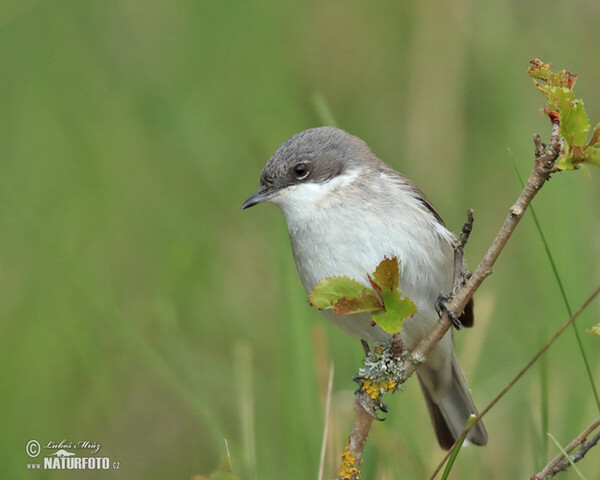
(300, 171)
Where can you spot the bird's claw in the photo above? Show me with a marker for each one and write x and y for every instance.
(441, 305)
(370, 405)
(365, 346)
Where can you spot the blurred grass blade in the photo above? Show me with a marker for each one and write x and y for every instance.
(228, 454)
(326, 423)
(454, 454)
(324, 112)
(567, 456)
(562, 290)
(243, 367)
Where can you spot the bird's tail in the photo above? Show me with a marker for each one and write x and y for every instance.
(450, 412)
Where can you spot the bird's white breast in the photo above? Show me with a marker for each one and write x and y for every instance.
(346, 227)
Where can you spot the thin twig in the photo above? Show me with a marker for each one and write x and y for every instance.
(520, 374)
(579, 454)
(560, 462)
(459, 248)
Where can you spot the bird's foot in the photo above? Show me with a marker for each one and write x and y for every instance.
(441, 305)
(370, 404)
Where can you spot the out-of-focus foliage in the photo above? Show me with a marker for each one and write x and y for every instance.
(568, 112)
(141, 309)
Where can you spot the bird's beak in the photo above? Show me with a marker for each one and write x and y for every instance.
(262, 194)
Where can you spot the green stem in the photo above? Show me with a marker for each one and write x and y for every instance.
(454, 454)
(544, 401)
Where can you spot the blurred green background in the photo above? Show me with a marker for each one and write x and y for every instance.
(142, 310)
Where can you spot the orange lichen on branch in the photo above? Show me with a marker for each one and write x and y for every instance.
(348, 468)
(376, 389)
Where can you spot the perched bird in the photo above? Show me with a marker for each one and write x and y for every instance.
(346, 210)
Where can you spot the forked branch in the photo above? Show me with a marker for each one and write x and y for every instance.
(560, 462)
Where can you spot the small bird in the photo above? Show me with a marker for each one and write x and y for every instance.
(346, 210)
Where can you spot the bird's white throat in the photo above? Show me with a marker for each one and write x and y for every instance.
(302, 202)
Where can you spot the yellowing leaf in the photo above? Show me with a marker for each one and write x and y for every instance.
(330, 289)
(387, 274)
(541, 71)
(367, 302)
(344, 296)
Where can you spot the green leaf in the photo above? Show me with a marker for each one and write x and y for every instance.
(397, 309)
(385, 281)
(574, 123)
(559, 98)
(565, 163)
(344, 296)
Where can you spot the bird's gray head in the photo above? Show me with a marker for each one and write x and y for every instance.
(314, 156)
